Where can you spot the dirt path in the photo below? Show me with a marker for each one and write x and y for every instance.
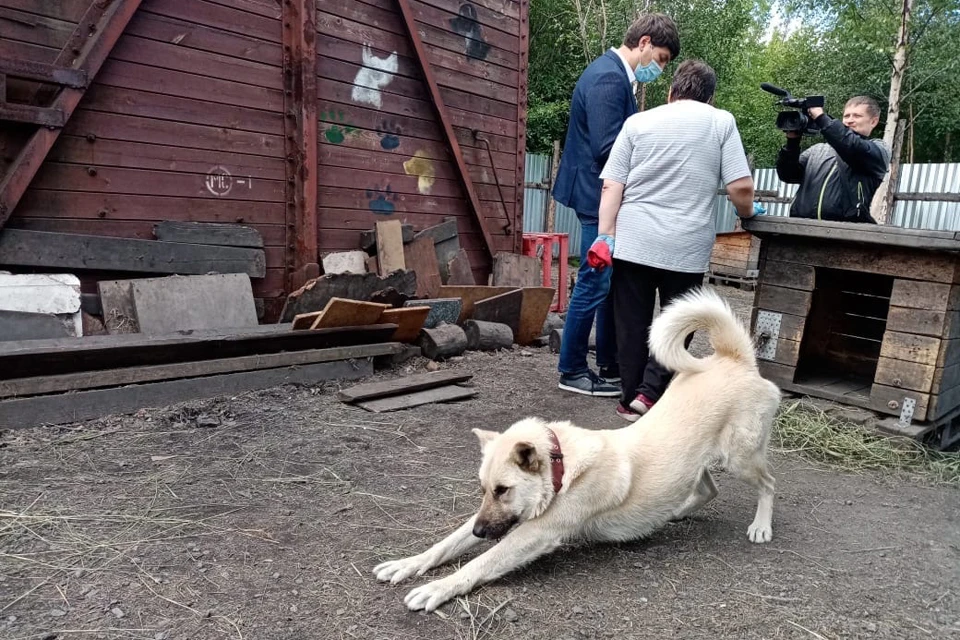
(260, 517)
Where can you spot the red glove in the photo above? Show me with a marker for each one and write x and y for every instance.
(600, 254)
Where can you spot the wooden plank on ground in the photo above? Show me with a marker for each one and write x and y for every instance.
(68, 408)
(409, 321)
(27, 248)
(41, 385)
(905, 375)
(420, 256)
(341, 312)
(94, 353)
(217, 233)
(792, 301)
(305, 321)
(116, 300)
(406, 384)
(515, 270)
(314, 295)
(389, 246)
(417, 398)
(470, 295)
(533, 312)
(785, 274)
(504, 308)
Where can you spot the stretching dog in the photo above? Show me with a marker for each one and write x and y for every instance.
(559, 483)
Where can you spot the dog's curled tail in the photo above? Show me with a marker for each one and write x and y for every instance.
(701, 309)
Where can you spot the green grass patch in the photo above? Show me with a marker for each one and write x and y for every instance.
(813, 434)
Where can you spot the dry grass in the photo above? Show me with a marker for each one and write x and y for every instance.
(809, 432)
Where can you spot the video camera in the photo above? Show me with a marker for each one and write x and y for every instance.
(798, 121)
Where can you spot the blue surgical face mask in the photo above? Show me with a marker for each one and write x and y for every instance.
(648, 72)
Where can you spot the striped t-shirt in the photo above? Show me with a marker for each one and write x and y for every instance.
(672, 160)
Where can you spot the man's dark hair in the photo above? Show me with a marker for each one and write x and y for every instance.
(693, 80)
(873, 109)
(661, 29)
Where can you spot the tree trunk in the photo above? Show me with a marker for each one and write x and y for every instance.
(487, 336)
(894, 175)
(444, 341)
(880, 207)
(552, 204)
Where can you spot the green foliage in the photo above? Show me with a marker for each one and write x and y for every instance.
(843, 48)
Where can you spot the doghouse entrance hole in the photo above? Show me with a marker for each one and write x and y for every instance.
(844, 331)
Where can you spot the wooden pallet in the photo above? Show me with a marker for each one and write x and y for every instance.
(741, 282)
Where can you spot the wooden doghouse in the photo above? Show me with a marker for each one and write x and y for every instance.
(865, 315)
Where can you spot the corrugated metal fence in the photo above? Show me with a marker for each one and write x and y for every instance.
(914, 178)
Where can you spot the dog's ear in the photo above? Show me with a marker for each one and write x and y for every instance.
(485, 437)
(525, 455)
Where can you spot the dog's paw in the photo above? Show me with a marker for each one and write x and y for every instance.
(759, 533)
(431, 595)
(396, 571)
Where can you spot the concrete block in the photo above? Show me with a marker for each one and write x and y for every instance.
(183, 303)
(441, 310)
(345, 262)
(52, 300)
(40, 293)
(19, 325)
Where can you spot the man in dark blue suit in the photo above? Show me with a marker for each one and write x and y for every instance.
(602, 100)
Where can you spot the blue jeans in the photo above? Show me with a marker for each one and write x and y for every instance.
(591, 299)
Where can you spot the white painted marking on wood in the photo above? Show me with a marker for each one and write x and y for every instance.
(375, 74)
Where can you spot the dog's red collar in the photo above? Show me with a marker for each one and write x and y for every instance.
(556, 461)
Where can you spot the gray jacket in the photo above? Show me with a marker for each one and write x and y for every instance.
(838, 177)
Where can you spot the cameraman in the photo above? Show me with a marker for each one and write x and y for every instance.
(838, 177)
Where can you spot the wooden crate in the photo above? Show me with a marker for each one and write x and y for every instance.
(869, 315)
(736, 254)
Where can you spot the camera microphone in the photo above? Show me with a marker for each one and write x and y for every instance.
(769, 88)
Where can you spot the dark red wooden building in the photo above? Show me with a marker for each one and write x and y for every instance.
(309, 121)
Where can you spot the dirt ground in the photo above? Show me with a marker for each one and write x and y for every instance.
(261, 516)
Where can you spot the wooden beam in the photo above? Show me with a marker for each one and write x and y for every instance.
(443, 116)
(43, 116)
(89, 57)
(31, 358)
(84, 380)
(301, 140)
(25, 248)
(42, 72)
(86, 405)
(405, 384)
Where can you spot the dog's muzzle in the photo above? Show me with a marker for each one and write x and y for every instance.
(493, 530)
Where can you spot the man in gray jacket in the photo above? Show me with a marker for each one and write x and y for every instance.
(837, 177)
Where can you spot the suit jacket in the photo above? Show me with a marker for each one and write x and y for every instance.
(602, 101)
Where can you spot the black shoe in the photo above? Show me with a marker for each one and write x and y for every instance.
(611, 373)
(589, 384)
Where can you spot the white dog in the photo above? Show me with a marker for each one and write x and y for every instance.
(559, 483)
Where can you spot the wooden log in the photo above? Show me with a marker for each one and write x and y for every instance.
(444, 341)
(487, 336)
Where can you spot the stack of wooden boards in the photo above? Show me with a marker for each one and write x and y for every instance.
(66, 380)
(735, 260)
(409, 391)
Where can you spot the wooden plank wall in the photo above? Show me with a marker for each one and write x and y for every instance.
(382, 151)
(191, 86)
(735, 254)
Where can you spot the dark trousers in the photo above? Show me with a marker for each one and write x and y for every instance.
(634, 288)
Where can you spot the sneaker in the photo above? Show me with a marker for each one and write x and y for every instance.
(611, 373)
(641, 404)
(627, 414)
(589, 384)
